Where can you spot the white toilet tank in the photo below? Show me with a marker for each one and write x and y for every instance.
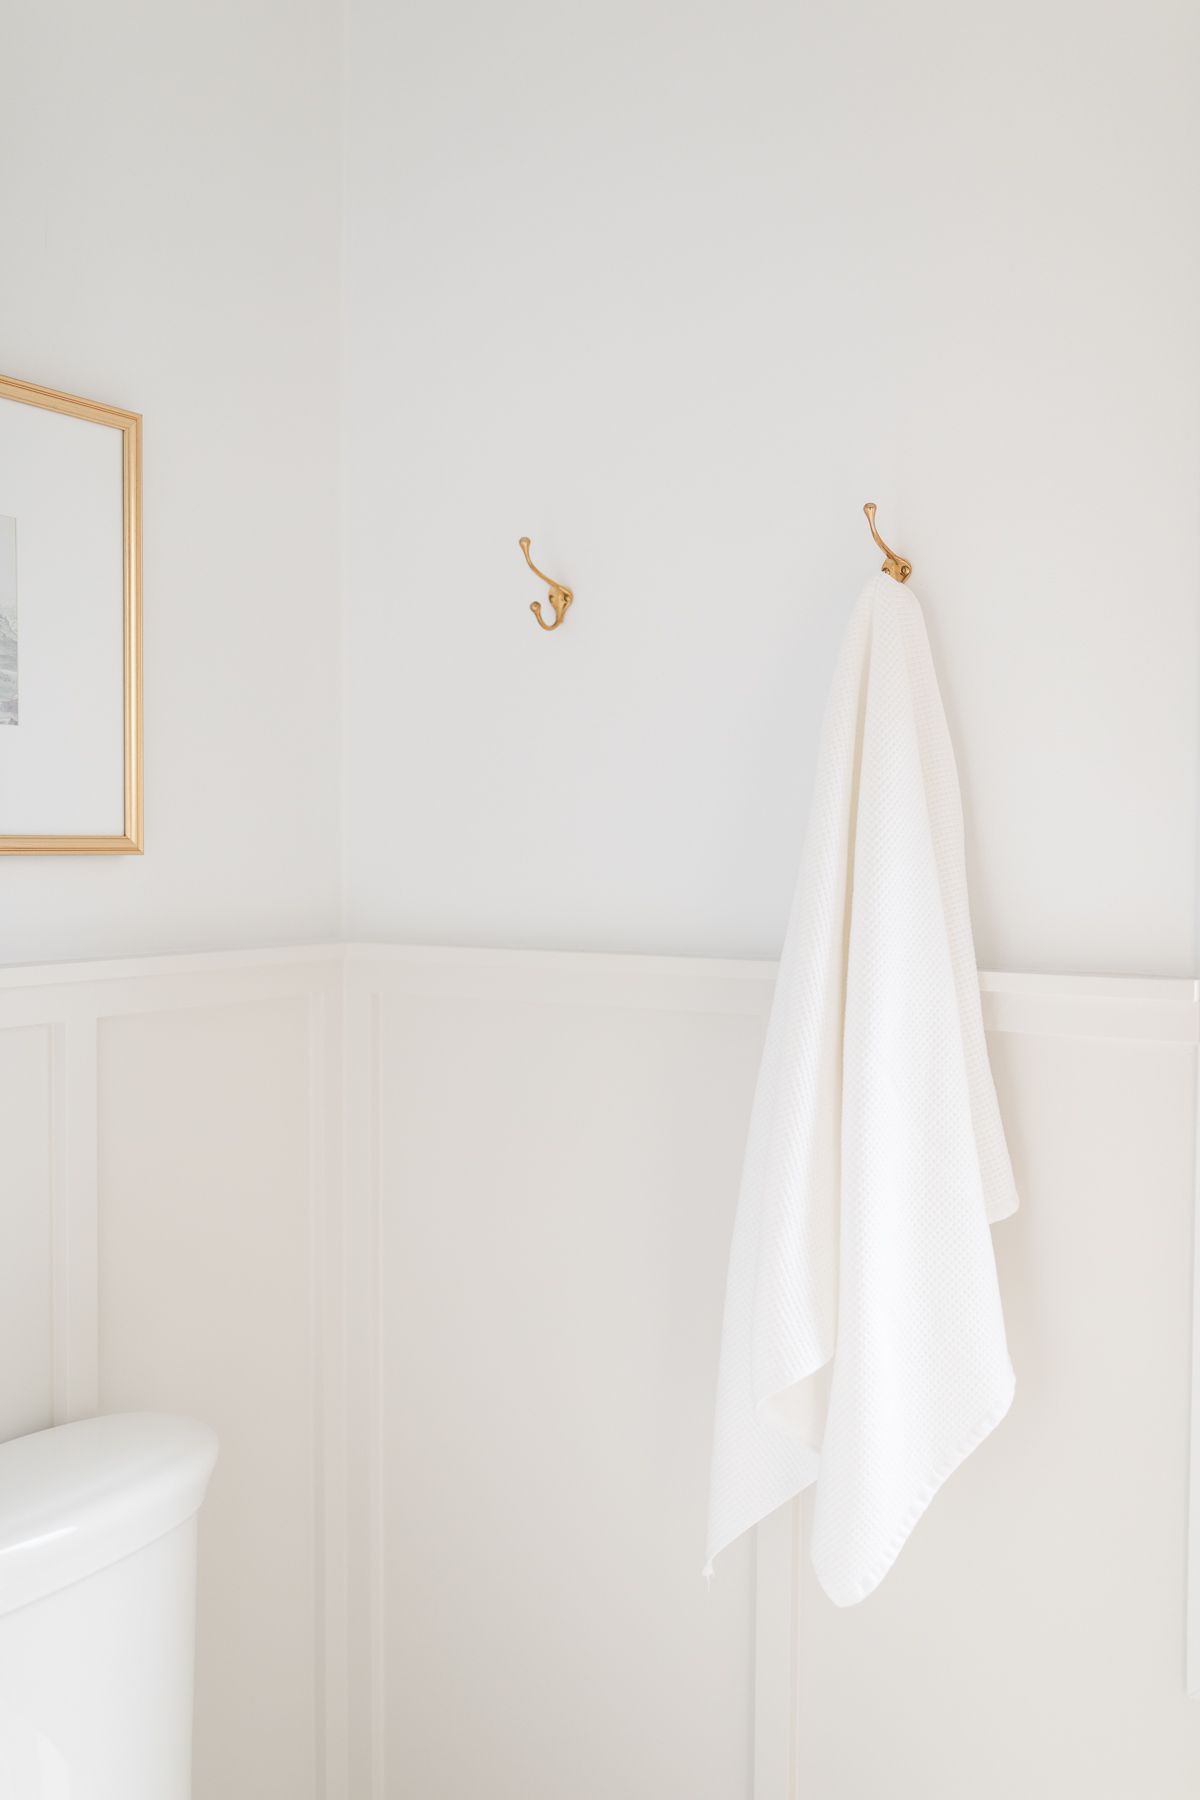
(97, 1607)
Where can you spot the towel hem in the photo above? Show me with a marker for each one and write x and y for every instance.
(882, 1565)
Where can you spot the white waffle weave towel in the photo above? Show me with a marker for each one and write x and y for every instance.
(863, 1344)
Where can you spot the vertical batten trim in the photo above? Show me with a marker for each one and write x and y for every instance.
(318, 1510)
(362, 1326)
(60, 1236)
(331, 1473)
(776, 1655)
(376, 1475)
(1192, 1665)
(77, 1258)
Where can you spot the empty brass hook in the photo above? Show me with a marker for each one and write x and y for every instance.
(894, 565)
(559, 597)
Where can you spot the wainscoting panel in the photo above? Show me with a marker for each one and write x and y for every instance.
(549, 1161)
(552, 1146)
(437, 1239)
(171, 1142)
(205, 1255)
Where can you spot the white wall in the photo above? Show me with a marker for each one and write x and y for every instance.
(168, 242)
(673, 289)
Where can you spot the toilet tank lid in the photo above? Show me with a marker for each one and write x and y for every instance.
(78, 1497)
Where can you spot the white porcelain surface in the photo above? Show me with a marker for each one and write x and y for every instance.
(97, 1608)
(78, 1497)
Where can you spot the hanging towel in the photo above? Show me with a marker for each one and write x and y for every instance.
(863, 1345)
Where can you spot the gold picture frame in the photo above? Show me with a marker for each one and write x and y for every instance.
(130, 841)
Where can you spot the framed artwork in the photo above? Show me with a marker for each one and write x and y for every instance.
(70, 625)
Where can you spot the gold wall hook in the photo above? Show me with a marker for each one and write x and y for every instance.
(559, 597)
(894, 565)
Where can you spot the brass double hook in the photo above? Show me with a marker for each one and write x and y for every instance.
(559, 597)
(896, 566)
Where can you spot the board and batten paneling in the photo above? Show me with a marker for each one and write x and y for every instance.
(541, 1218)
(171, 1162)
(437, 1241)
(556, 1143)
(205, 1278)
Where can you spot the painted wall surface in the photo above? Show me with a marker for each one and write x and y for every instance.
(673, 289)
(168, 241)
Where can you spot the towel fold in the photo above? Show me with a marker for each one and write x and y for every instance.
(863, 1345)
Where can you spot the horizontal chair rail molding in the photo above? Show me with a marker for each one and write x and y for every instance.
(1158, 1008)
